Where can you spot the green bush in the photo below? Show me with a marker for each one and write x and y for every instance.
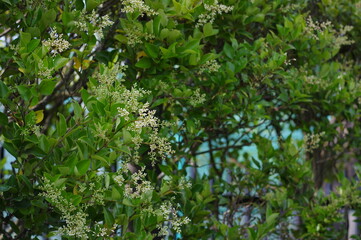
(179, 119)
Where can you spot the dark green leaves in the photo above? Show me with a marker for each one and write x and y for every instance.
(47, 87)
(144, 63)
(3, 90)
(151, 50)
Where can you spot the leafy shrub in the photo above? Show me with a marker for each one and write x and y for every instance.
(179, 119)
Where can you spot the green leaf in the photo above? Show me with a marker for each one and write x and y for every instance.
(47, 18)
(78, 112)
(92, 4)
(144, 63)
(3, 119)
(151, 50)
(4, 188)
(208, 30)
(79, 4)
(108, 216)
(121, 38)
(34, 31)
(115, 194)
(165, 169)
(33, 44)
(10, 148)
(24, 92)
(85, 95)
(66, 17)
(7, 1)
(60, 62)
(61, 128)
(228, 50)
(76, 199)
(124, 149)
(47, 87)
(3, 90)
(26, 180)
(156, 25)
(97, 157)
(258, 18)
(127, 202)
(127, 137)
(191, 45)
(207, 57)
(83, 166)
(24, 39)
(173, 35)
(64, 170)
(159, 102)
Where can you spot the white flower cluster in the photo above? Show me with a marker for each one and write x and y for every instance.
(159, 146)
(312, 141)
(341, 38)
(135, 35)
(146, 118)
(56, 43)
(97, 22)
(314, 28)
(184, 183)
(31, 127)
(97, 194)
(136, 186)
(137, 113)
(112, 75)
(288, 61)
(131, 6)
(169, 213)
(209, 66)
(44, 71)
(211, 11)
(54, 195)
(130, 98)
(75, 225)
(142, 126)
(74, 216)
(103, 231)
(314, 80)
(197, 98)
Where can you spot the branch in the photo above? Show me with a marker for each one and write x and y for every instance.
(6, 31)
(222, 148)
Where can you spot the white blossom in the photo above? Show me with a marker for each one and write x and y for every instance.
(197, 98)
(211, 11)
(131, 6)
(56, 43)
(97, 22)
(209, 66)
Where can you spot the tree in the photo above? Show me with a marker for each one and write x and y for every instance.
(179, 119)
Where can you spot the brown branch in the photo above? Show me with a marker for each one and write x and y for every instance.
(222, 148)
(6, 31)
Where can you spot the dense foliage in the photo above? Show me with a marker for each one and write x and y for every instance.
(180, 119)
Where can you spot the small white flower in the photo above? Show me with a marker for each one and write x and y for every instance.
(56, 43)
(131, 6)
(197, 98)
(212, 11)
(209, 66)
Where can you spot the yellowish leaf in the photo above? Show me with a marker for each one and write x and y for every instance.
(39, 116)
(141, 54)
(77, 63)
(22, 70)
